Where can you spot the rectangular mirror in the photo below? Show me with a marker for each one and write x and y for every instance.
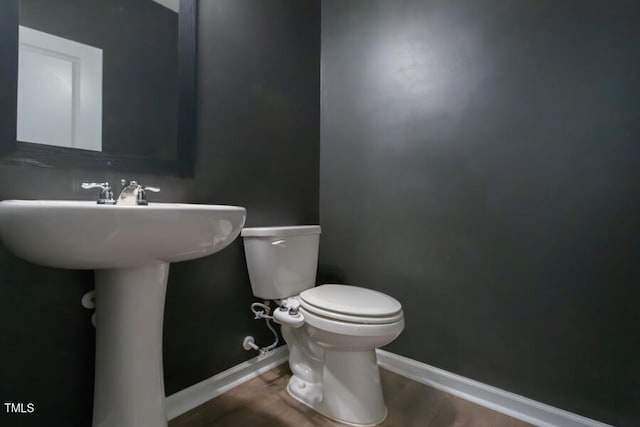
(105, 83)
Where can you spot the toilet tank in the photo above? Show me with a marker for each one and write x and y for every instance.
(282, 261)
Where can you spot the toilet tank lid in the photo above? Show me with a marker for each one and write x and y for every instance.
(297, 230)
(351, 300)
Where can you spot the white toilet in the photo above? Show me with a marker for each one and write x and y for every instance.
(332, 330)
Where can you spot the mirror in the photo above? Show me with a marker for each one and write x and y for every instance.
(105, 83)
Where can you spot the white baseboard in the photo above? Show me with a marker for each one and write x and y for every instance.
(511, 404)
(191, 397)
(508, 403)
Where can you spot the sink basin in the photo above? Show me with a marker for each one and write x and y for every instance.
(85, 235)
(130, 248)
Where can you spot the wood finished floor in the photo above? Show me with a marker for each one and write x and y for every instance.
(264, 402)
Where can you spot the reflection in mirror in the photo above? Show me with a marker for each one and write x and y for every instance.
(59, 91)
(100, 75)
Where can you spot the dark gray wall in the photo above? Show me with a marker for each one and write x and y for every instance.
(480, 162)
(139, 42)
(258, 147)
(258, 108)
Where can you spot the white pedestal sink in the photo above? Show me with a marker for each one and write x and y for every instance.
(130, 248)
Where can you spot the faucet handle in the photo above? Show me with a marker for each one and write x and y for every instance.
(90, 185)
(106, 195)
(142, 194)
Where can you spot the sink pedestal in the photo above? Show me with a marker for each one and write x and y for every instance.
(129, 381)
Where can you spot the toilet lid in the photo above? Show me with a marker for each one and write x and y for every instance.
(296, 230)
(350, 300)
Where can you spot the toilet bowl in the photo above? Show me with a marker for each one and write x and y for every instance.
(332, 330)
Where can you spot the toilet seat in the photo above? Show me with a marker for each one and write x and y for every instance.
(351, 304)
(332, 315)
(353, 329)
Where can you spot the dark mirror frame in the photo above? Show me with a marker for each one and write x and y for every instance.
(13, 151)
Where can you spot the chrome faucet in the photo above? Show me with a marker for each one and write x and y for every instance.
(133, 193)
(106, 195)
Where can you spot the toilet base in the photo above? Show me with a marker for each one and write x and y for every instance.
(350, 392)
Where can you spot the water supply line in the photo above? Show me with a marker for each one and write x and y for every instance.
(261, 311)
